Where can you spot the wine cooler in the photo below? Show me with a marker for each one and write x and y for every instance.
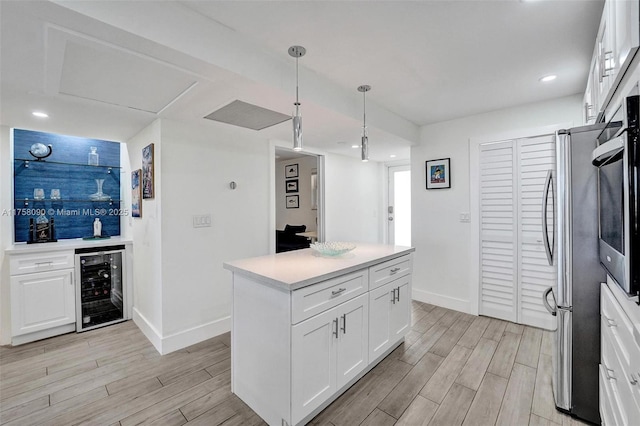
(100, 293)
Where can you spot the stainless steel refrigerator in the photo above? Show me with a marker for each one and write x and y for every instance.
(570, 228)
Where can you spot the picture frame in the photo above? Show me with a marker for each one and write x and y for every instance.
(292, 201)
(147, 172)
(136, 193)
(438, 173)
(291, 185)
(291, 171)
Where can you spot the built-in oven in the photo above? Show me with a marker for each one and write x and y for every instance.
(617, 158)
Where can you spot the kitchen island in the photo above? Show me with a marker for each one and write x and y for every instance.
(306, 327)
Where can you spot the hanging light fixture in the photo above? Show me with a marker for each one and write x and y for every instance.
(297, 52)
(365, 140)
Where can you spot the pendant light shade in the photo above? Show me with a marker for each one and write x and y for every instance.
(365, 139)
(297, 52)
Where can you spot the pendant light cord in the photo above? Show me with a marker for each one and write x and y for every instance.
(364, 113)
(297, 104)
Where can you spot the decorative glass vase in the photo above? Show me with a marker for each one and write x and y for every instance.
(93, 159)
(98, 196)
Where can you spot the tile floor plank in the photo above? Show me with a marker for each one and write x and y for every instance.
(516, 405)
(449, 339)
(378, 418)
(495, 329)
(473, 334)
(454, 408)
(419, 413)
(473, 371)
(529, 347)
(505, 355)
(486, 404)
(440, 383)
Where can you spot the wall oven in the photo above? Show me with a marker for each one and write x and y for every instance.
(617, 158)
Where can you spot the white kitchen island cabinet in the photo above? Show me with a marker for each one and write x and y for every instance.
(306, 327)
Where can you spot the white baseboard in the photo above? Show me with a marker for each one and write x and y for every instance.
(181, 339)
(148, 330)
(444, 301)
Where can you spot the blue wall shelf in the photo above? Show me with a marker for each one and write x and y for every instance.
(68, 171)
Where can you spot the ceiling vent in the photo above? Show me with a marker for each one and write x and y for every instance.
(247, 115)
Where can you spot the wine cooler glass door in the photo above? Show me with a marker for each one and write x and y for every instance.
(99, 289)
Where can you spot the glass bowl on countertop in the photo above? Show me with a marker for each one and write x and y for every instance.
(332, 248)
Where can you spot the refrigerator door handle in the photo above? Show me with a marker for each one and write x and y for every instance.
(552, 309)
(545, 234)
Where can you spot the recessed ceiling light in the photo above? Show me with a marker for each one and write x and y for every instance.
(548, 78)
(355, 146)
(392, 156)
(40, 114)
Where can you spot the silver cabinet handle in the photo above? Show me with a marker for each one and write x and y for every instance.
(393, 296)
(632, 379)
(606, 373)
(397, 290)
(394, 270)
(335, 329)
(39, 264)
(344, 323)
(337, 292)
(610, 322)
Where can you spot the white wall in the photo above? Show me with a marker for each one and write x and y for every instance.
(198, 164)
(147, 247)
(353, 199)
(442, 242)
(303, 215)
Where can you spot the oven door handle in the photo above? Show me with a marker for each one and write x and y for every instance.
(609, 151)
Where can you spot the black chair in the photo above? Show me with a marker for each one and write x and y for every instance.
(287, 240)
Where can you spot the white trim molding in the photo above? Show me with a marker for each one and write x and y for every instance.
(448, 302)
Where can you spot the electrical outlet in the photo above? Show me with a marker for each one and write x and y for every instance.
(202, 221)
(465, 217)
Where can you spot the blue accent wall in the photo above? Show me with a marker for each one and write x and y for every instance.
(66, 169)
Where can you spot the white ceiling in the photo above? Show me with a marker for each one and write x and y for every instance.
(107, 69)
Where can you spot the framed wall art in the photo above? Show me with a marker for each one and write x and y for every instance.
(136, 193)
(291, 171)
(438, 173)
(147, 171)
(293, 201)
(291, 185)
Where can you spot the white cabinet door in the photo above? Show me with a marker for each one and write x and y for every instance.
(624, 16)
(380, 300)
(401, 309)
(352, 344)
(41, 301)
(313, 358)
(605, 59)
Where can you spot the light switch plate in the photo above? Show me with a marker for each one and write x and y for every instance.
(202, 221)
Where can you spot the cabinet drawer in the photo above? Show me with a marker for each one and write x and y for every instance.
(28, 263)
(616, 324)
(609, 405)
(619, 380)
(388, 271)
(316, 298)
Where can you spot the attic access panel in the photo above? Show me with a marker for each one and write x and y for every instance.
(247, 115)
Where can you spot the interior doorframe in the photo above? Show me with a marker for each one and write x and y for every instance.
(386, 199)
(474, 195)
(273, 144)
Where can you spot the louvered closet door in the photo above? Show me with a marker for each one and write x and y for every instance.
(498, 242)
(536, 156)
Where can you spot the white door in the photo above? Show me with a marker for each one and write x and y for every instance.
(42, 301)
(352, 344)
(401, 309)
(380, 300)
(399, 209)
(313, 362)
(514, 270)
(498, 240)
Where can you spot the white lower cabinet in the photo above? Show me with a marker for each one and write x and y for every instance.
(389, 315)
(328, 350)
(41, 301)
(620, 358)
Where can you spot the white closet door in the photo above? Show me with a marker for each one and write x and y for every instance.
(536, 156)
(498, 233)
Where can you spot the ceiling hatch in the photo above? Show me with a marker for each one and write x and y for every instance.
(247, 115)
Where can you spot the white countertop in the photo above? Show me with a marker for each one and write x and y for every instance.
(296, 269)
(20, 248)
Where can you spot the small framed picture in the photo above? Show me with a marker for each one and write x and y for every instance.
(438, 173)
(293, 201)
(147, 171)
(291, 185)
(291, 171)
(136, 193)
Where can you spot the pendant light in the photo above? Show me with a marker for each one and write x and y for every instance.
(365, 140)
(297, 52)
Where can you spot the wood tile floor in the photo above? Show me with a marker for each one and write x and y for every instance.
(453, 369)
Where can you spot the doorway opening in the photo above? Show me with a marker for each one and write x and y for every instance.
(298, 209)
(399, 208)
